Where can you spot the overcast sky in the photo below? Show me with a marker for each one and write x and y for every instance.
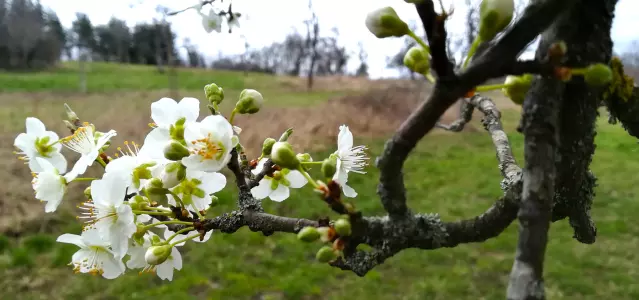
(264, 22)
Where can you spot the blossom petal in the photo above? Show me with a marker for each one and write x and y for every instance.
(263, 189)
(46, 165)
(280, 193)
(25, 142)
(164, 112)
(105, 138)
(74, 239)
(177, 258)
(58, 161)
(112, 266)
(189, 108)
(213, 182)
(260, 166)
(348, 191)
(296, 179)
(344, 138)
(35, 126)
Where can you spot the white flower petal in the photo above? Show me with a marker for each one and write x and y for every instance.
(280, 193)
(58, 161)
(296, 179)
(164, 112)
(35, 127)
(74, 239)
(263, 189)
(213, 182)
(259, 167)
(177, 258)
(348, 191)
(112, 267)
(189, 108)
(344, 138)
(26, 143)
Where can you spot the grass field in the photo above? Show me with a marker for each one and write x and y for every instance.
(455, 175)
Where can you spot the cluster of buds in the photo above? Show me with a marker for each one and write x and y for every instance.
(333, 236)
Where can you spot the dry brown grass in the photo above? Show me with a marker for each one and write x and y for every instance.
(372, 114)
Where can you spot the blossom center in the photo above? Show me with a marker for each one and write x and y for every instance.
(93, 263)
(43, 147)
(207, 148)
(81, 141)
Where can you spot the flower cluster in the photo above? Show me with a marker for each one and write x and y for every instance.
(155, 197)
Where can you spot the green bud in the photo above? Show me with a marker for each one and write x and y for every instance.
(384, 22)
(214, 93)
(494, 16)
(417, 60)
(156, 255)
(175, 151)
(325, 254)
(267, 146)
(287, 133)
(155, 187)
(517, 87)
(69, 126)
(250, 102)
(343, 227)
(172, 174)
(329, 166)
(87, 192)
(304, 157)
(71, 115)
(139, 231)
(598, 75)
(214, 201)
(308, 234)
(282, 155)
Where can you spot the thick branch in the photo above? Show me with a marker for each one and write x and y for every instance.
(540, 126)
(434, 25)
(493, 63)
(256, 221)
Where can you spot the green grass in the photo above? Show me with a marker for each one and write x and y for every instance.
(455, 175)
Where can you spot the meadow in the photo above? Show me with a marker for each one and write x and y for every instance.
(453, 174)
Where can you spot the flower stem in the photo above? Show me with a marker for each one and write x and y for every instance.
(101, 161)
(178, 232)
(167, 223)
(419, 40)
(471, 51)
(185, 239)
(578, 71)
(312, 162)
(84, 179)
(490, 87)
(429, 76)
(232, 117)
(177, 198)
(308, 177)
(153, 213)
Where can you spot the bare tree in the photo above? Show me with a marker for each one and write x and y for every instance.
(166, 38)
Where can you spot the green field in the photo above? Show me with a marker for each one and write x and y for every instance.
(455, 175)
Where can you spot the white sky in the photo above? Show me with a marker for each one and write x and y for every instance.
(266, 21)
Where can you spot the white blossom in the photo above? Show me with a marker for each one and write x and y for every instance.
(108, 213)
(277, 187)
(84, 142)
(349, 159)
(135, 168)
(49, 185)
(196, 189)
(210, 143)
(211, 21)
(38, 142)
(94, 256)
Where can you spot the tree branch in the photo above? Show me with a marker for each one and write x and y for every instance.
(465, 115)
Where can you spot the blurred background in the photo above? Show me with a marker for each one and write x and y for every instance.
(317, 67)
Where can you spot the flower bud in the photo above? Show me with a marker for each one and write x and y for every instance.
(304, 157)
(308, 234)
(417, 60)
(87, 192)
(557, 50)
(598, 75)
(172, 174)
(517, 87)
(267, 146)
(326, 234)
(250, 102)
(343, 227)
(384, 22)
(175, 151)
(69, 126)
(214, 201)
(494, 16)
(71, 115)
(282, 155)
(325, 254)
(155, 187)
(329, 166)
(156, 255)
(214, 93)
(139, 233)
